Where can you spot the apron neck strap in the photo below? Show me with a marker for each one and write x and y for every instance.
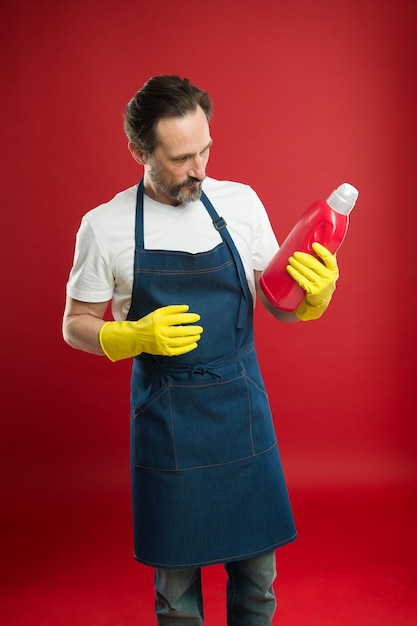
(220, 224)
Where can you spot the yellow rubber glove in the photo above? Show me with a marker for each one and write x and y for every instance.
(316, 278)
(165, 331)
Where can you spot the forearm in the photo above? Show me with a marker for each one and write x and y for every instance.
(81, 325)
(282, 316)
(82, 333)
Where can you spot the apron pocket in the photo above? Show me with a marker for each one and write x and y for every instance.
(153, 441)
(263, 432)
(188, 425)
(212, 423)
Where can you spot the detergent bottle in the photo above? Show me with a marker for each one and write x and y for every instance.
(325, 221)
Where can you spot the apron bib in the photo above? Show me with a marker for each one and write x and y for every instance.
(207, 481)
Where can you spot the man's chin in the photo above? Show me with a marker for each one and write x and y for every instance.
(190, 193)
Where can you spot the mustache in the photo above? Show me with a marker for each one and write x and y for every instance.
(193, 181)
(190, 181)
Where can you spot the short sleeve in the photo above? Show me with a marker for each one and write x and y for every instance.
(91, 278)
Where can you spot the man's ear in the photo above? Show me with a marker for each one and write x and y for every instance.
(137, 154)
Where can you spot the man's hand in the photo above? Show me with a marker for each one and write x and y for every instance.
(317, 278)
(168, 331)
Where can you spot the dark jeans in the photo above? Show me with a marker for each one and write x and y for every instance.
(250, 595)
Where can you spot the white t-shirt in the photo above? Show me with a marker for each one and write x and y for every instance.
(104, 252)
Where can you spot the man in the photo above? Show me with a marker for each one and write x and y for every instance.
(180, 257)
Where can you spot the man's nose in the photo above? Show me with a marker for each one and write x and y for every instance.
(198, 168)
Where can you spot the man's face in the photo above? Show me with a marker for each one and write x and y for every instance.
(175, 171)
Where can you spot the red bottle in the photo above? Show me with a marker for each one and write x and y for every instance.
(325, 221)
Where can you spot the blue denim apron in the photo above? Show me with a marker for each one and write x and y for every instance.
(207, 481)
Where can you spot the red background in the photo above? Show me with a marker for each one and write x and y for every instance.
(307, 95)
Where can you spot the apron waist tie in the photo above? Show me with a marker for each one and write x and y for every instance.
(168, 369)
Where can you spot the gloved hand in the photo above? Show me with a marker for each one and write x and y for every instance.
(316, 278)
(163, 331)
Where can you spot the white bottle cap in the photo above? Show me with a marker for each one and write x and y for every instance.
(342, 200)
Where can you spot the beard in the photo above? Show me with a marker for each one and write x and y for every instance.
(192, 185)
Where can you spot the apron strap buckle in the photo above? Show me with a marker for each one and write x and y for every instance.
(219, 223)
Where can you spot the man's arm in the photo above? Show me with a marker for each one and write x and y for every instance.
(168, 331)
(282, 316)
(82, 323)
